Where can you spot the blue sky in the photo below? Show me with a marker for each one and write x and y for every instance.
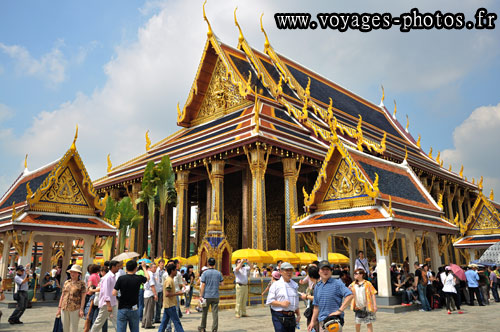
(118, 68)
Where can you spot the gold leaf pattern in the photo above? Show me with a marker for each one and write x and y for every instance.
(344, 184)
(65, 190)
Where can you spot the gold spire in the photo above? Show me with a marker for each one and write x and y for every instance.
(480, 183)
(461, 174)
(240, 37)
(418, 140)
(438, 157)
(383, 95)
(26, 161)
(492, 195)
(407, 123)
(449, 168)
(395, 109)
(209, 32)
(148, 141)
(473, 181)
(73, 146)
(110, 165)
(266, 43)
(430, 153)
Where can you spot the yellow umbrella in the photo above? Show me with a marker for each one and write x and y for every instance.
(285, 256)
(253, 255)
(181, 260)
(306, 257)
(193, 260)
(335, 258)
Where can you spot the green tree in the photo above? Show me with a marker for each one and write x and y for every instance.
(147, 195)
(164, 180)
(129, 218)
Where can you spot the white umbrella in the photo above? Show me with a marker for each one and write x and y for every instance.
(492, 254)
(125, 255)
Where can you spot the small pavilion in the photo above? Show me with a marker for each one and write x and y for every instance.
(481, 229)
(55, 205)
(361, 197)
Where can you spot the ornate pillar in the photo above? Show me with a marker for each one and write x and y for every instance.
(257, 159)
(181, 183)
(409, 236)
(47, 245)
(323, 242)
(383, 263)
(4, 263)
(472, 255)
(291, 174)
(88, 240)
(216, 176)
(135, 232)
(434, 245)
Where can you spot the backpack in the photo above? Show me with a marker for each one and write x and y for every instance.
(424, 278)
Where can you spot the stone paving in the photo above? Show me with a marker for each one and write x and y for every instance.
(475, 318)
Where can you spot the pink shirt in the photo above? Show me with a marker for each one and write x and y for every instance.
(107, 285)
(94, 280)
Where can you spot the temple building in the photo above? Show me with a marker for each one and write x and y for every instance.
(263, 139)
(54, 207)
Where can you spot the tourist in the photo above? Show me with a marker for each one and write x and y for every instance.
(256, 272)
(73, 261)
(121, 271)
(494, 283)
(179, 285)
(278, 265)
(150, 297)
(20, 294)
(364, 303)
(189, 279)
(313, 274)
(49, 285)
(141, 272)
(275, 276)
(198, 282)
(92, 293)
(361, 262)
(450, 292)
(108, 305)
(484, 286)
(473, 284)
(159, 279)
(283, 298)
(128, 286)
(420, 282)
(72, 302)
(211, 279)
(331, 298)
(307, 279)
(241, 279)
(170, 302)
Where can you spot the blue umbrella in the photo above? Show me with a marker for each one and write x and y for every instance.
(148, 261)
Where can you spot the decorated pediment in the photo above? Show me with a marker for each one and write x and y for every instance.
(221, 97)
(65, 190)
(340, 183)
(483, 219)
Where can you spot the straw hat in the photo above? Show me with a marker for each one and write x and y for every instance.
(76, 268)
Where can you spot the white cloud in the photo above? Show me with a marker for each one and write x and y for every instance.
(51, 67)
(476, 146)
(5, 112)
(83, 52)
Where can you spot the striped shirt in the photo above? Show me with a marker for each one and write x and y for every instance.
(328, 296)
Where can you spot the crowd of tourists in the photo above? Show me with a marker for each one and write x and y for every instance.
(135, 294)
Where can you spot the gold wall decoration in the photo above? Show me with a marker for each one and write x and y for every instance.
(97, 245)
(65, 190)
(444, 244)
(311, 240)
(221, 95)
(385, 245)
(419, 243)
(344, 183)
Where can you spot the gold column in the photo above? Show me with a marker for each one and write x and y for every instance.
(291, 174)
(181, 184)
(257, 159)
(136, 187)
(216, 176)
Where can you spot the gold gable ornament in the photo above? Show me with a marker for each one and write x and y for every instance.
(65, 190)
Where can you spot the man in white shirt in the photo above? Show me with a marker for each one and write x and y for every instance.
(150, 297)
(284, 300)
(108, 304)
(159, 277)
(241, 278)
(362, 263)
